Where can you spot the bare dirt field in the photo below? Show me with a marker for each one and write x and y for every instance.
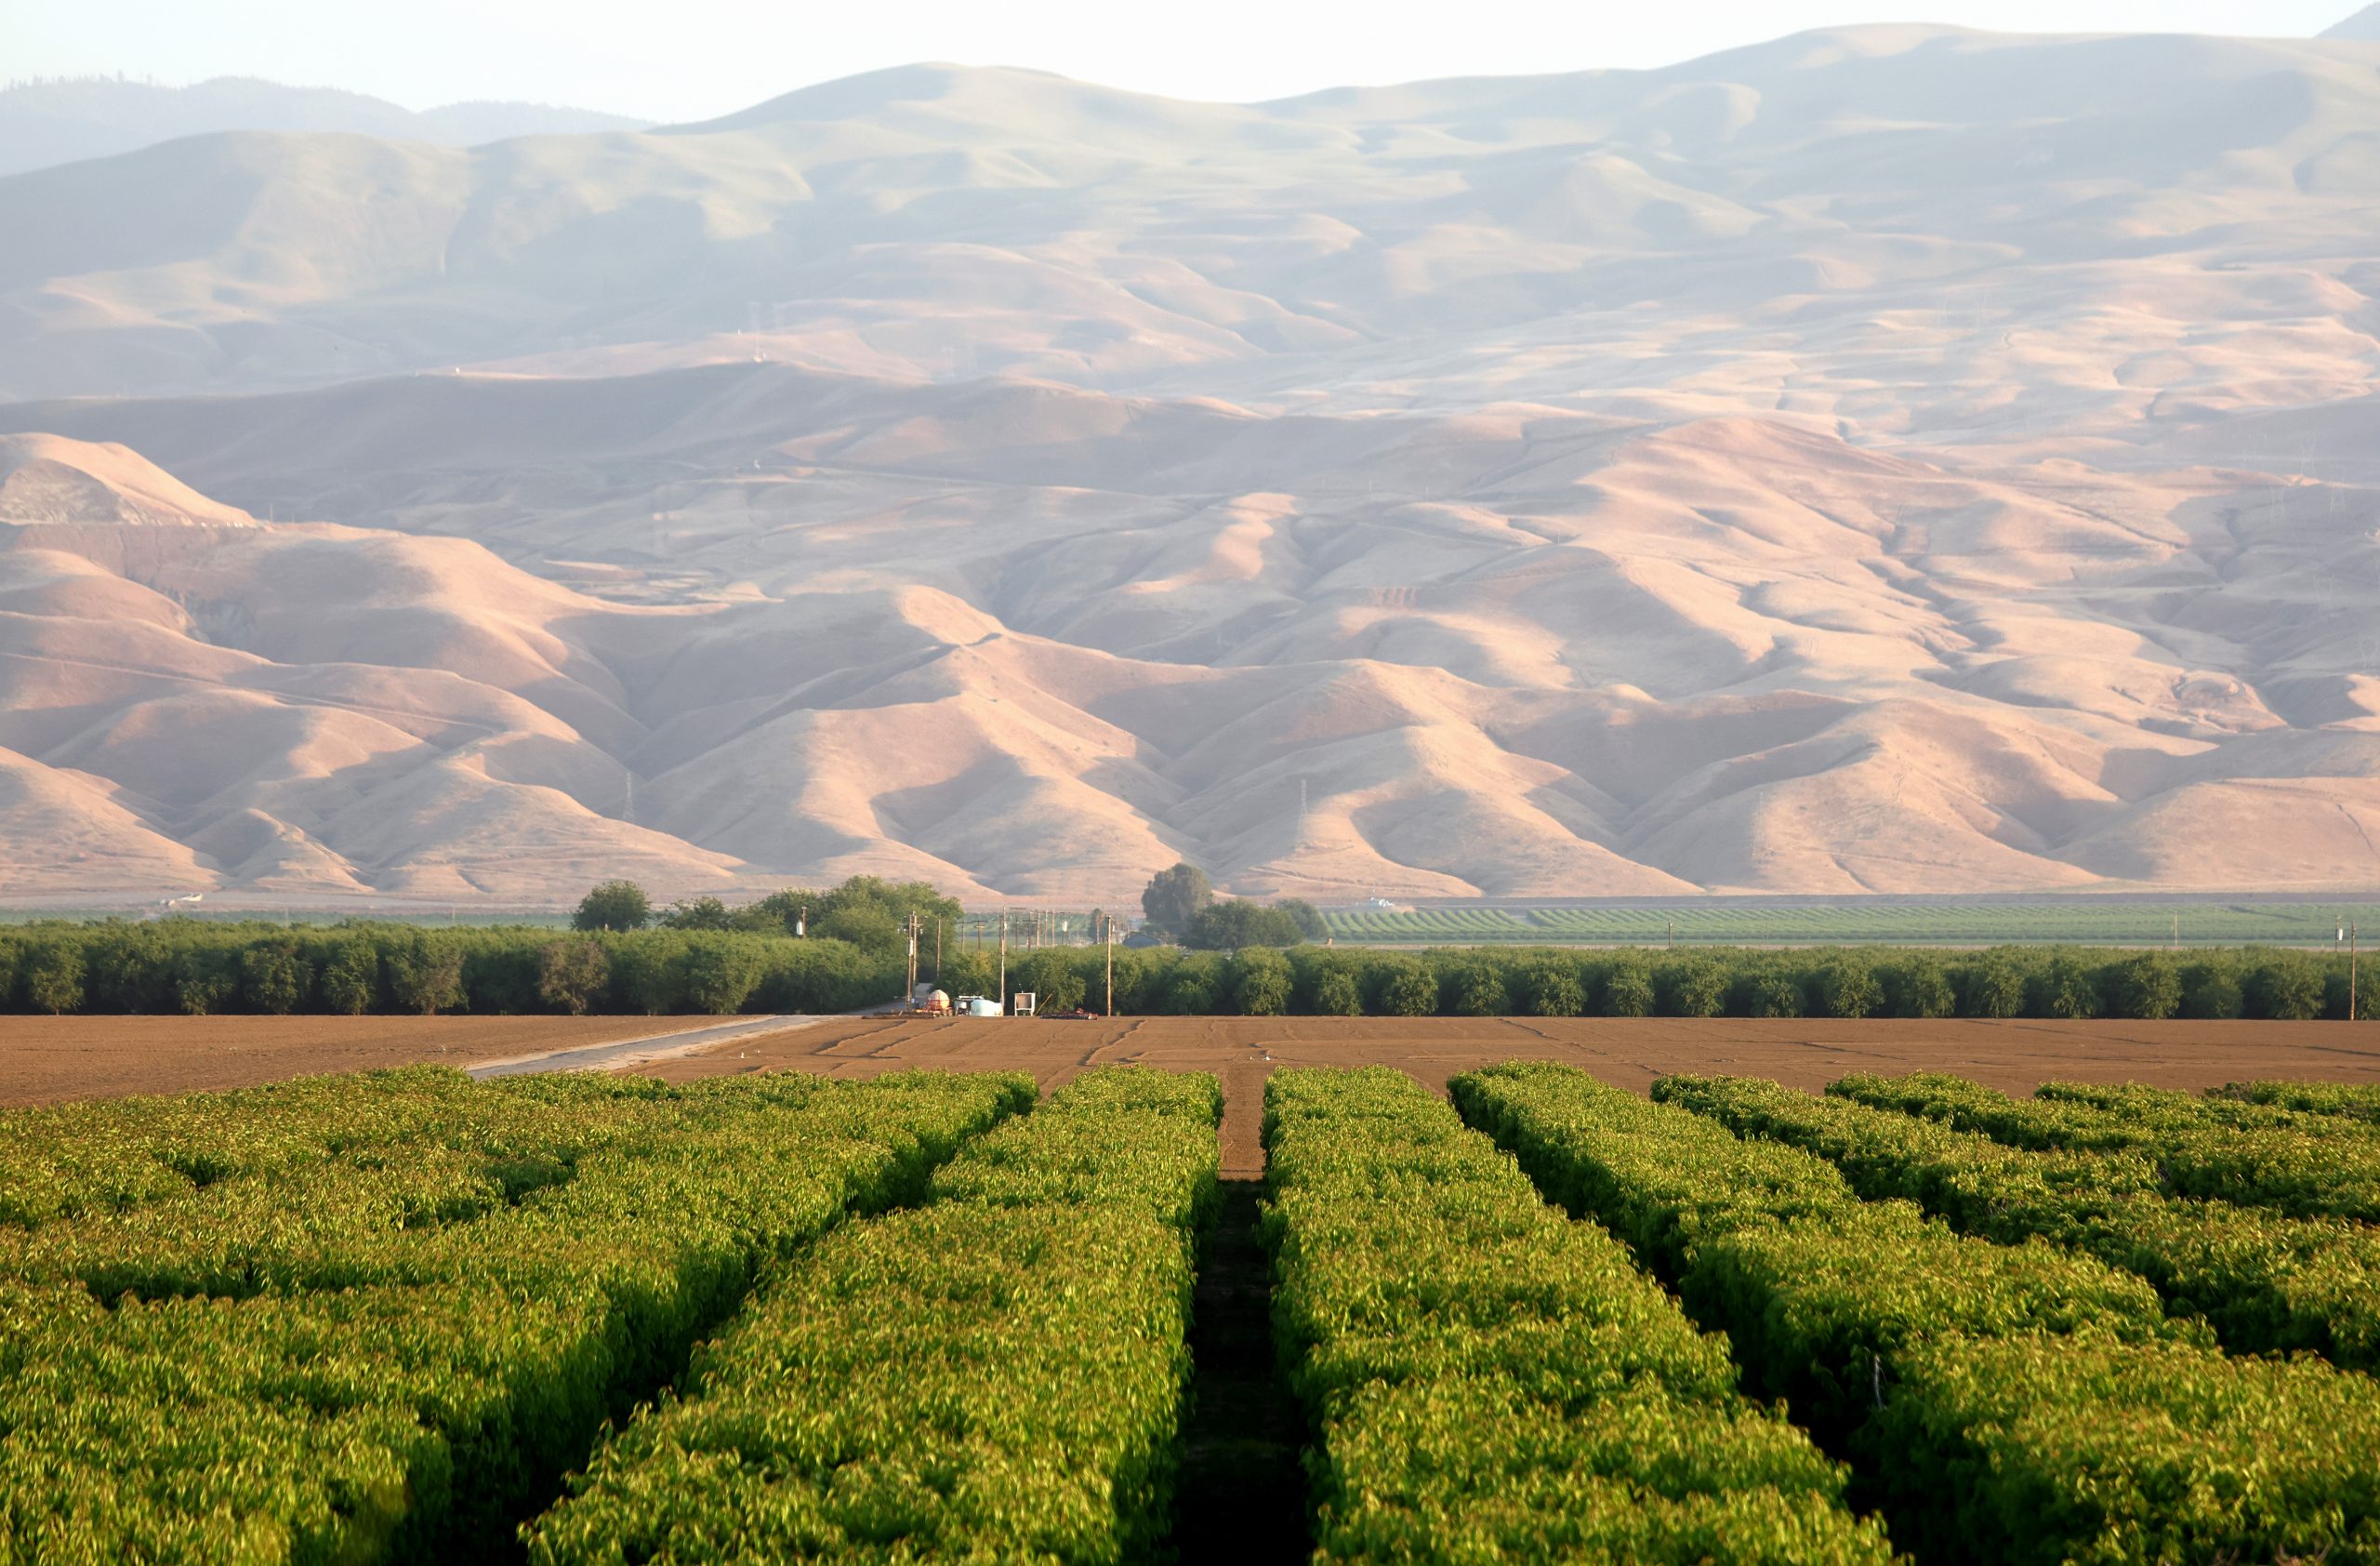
(46, 1059)
(43, 1059)
(1803, 1052)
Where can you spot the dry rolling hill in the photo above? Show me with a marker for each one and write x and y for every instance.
(52, 121)
(1890, 460)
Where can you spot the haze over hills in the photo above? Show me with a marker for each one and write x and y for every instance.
(2362, 27)
(54, 122)
(1888, 460)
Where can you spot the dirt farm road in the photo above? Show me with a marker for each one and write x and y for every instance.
(630, 1053)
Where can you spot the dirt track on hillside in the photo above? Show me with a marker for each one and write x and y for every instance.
(1802, 1053)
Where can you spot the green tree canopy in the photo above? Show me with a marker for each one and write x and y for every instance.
(572, 975)
(702, 913)
(1308, 917)
(1175, 897)
(615, 905)
(866, 910)
(1234, 923)
(1260, 982)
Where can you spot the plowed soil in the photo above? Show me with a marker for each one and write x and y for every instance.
(1802, 1053)
(46, 1059)
(43, 1059)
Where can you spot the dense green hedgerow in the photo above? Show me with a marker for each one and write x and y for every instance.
(996, 1375)
(357, 1320)
(2299, 1166)
(2267, 1283)
(2011, 1403)
(2322, 1098)
(1492, 1382)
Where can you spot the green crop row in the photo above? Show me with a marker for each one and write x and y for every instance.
(996, 1375)
(67, 1160)
(1492, 1382)
(2266, 1283)
(2318, 1166)
(2361, 1102)
(2163, 1108)
(383, 1334)
(2010, 1404)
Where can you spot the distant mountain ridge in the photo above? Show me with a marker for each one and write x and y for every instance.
(1877, 460)
(47, 123)
(2361, 28)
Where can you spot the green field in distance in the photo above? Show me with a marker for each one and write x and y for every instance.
(1758, 921)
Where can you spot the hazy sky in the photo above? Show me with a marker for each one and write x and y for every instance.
(692, 58)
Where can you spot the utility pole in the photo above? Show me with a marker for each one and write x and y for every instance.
(2354, 951)
(1003, 961)
(1107, 939)
(913, 960)
(937, 950)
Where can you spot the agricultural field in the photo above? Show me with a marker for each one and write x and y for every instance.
(938, 1316)
(46, 1059)
(2108, 921)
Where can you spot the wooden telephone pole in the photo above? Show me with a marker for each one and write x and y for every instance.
(1107, 939)
(913, 960)
(1003, 961)
(2354, 951)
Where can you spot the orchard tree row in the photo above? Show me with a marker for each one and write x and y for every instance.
(194, 967)
(2057, 982)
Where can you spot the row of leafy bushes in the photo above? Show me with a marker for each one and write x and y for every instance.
(995, 1373)
(390, 1310)
(2268, 1281)
(2004, 1403)
(1489, 1381)
(182, 965)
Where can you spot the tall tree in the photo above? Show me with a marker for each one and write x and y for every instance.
(1308, 917)
(615, 905)
(1175, 897)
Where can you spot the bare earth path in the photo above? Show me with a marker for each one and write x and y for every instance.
(630, 1053)
(1802, 1053)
